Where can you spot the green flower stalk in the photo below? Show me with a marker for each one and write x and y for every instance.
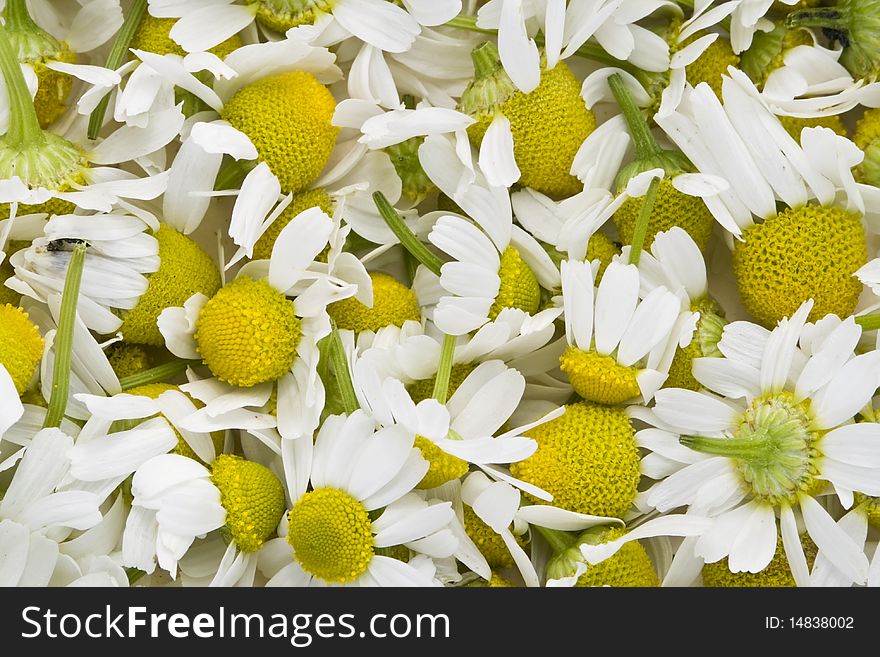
(855, 25)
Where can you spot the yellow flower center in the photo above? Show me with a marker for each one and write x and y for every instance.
(331, 535)
(287, 117)
(629, 566)
(867, 137)
(128, 359)
(393, 304)
(442, 468)
(601, 248)
(599, 378)
(704, 343)
(488, 542)
(152, 35)
(248, 333)
(495, 582)
(424, 389)
(808, 253)
(712, 64)
(184, 270)
(548, 125)
(776, 574)
(587, 459)
(672, 208)
(7, 271)
(21, 346)
(519, 287)
(310, 198)
(794, 125)
(253, 498)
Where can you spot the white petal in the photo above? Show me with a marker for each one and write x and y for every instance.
(128, 143)
(833, 542)
(553, 517)
(299, 242)
(496, 154)
(206, 27)
(616, 302)
(848, 392)
(693, 411)
(518, 52)
(379, 23)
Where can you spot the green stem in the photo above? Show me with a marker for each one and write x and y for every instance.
(641, 227)
(17, 16)
(869, 322)
(444, 369)
(469, 23)
(410, 242)
(340, 368)
(158, 374)
(735, 448)
(64, 338)
(116, 57)
(830, 17)
(558, 540)
(24, 127)
(646, 145)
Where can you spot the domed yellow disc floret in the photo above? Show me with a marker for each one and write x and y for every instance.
(808, 253)
(248, 333)
(7, 271)
(128, 359)
(712, 64)
(281, 15)
(253, 498)
(867, 137)
(152, 35)
(601, 248)
(519, 287)
(495, 582)
(671, 208)
(629, 566)
(587, 459)
(331, 535)
(184, 269)
(871, 507)
(311, 198)
(393, 304)
(548, 125)
(442, 468)
(287, 117)
(424, 389)
(703, 344)
(776, 574)
(794, 126)
(599, 378)
(21, 346)
(488, 542)
(153, 390)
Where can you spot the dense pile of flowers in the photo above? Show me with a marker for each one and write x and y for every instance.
(440, 293)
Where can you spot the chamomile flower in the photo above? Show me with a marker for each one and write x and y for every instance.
(282, 347)
(381, 24)
(132, 273)
(619, 347)
(352, 506)
(176, 499)
(768, 438)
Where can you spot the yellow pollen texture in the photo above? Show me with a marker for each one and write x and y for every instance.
(393, 304)
(128, 359)
(599, 378)
(776, 574)
(152, 35)
(21, 346)
(287, 117)
(248, 333)
(808, 253)
(7, 271)
(253, 498)
(671, 208)
(488, 542)
(184, 269)
(794, 125)
(587, 459)
(519, 287)
(50, 101)
(712, 64)
(442, 468)
(331, 535)
(601, 248)
(424, 389)
(630, 566)
(548, 125)
(311, 198)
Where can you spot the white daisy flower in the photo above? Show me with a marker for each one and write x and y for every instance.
(32, 506)
(382, 25)
(620, 347)
(336, 486)
(793, 402)
(284, 350)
